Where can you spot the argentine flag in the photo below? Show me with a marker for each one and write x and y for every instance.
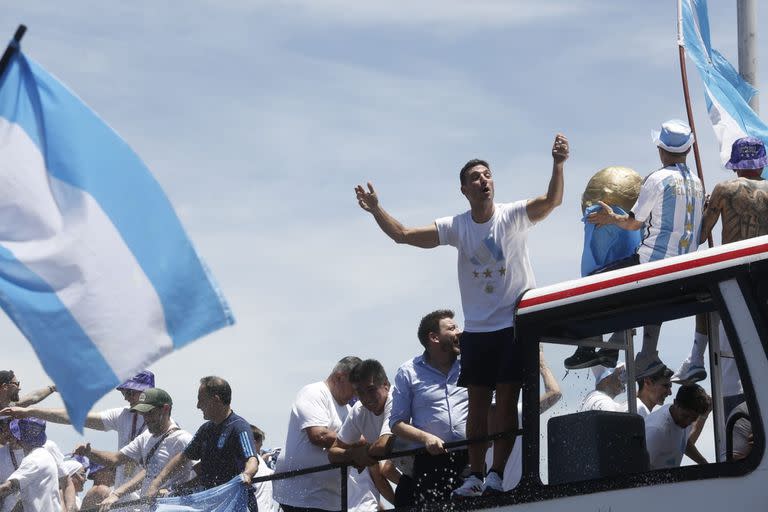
(95, 267)
(727, 94)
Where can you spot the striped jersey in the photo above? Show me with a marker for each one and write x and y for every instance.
(671, 203)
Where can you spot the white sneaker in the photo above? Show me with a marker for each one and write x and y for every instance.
(689, 373)
(471, 488)
(492, 484)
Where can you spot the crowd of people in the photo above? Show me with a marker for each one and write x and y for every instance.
(462, 384)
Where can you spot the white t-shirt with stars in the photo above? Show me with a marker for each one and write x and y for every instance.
(494, 265)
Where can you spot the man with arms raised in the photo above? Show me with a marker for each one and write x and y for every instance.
(223, 444)
(126, 423)
(151, 450)
(494, 270)
(9, 391)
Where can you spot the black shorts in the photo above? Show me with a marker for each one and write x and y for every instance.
(489, 358)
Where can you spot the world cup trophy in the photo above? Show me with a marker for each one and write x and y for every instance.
(615, 186)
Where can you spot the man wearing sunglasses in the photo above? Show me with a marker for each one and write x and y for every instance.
(10, 387)
(128, 424)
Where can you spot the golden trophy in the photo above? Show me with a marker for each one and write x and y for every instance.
(615, 186)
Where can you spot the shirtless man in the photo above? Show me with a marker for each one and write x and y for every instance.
(743, 204)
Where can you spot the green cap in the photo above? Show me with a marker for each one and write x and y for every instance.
(151, 398)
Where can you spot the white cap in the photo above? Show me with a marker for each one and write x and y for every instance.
(601, 372)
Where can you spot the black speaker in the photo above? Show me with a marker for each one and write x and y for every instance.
(595, 444)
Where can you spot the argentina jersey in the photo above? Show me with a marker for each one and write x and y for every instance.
(671, 203)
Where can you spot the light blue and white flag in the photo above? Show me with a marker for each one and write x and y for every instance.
(229, 497)
(726, 93)
(95, 267)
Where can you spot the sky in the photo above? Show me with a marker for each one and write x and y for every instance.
(258, 118)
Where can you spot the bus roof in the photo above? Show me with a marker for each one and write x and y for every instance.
(639, 276)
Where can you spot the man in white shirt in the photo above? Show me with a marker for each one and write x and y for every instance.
(669, 211)
(36, 479)
(494, 270)
(316, 417)
(151, 450)
(365, 424)
(670, 431)
(609, 383)
(126, 423)
(652, 390)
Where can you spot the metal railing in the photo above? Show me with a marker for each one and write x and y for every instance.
(343, 469)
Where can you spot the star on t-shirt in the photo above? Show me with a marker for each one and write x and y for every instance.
(502, 271)
(487, 273)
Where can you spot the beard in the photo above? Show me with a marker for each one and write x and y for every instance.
(15, 396)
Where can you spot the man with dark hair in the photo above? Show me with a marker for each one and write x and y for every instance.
(494, 271)
(430, 409)
(365, 424)
(128, 424)
(652, 390)
(258, 438)
(9, 391)
(223, 444)
(670, 430)
(669, 210)
(151, 450)
(317, 414)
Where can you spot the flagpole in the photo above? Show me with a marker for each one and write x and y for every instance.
(11, 49)
(687, 96)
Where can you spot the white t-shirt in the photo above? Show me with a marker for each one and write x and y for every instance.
(38, 482)
(664, 439)
(58, 457)
(121, 420)
(314, 407)
(642, 409)
(7, 467)
(173, 444)
(493, 264)
(263, 490)
(596, 400)
(670, 204)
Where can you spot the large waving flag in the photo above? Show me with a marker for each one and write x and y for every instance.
(95, 267)
(727, 94)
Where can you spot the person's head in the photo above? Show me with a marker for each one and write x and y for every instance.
(477, 181)
(76, 469)
(213, 397)
(611, 381)
(338, 380)
(674, 141)
(155, 406)
(371, 385)
(9, 386)
(657, 387)
(28, 432)
(258, 437)
(132, 388)
(439, 334)
(690, 402)
(748, 157)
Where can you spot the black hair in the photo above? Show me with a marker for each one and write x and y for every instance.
(469, 165)
(370, 368)
(431, 323)
(216, 386)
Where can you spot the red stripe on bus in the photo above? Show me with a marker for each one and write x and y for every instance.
(617, 281)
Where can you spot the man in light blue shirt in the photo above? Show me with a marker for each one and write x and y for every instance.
(430, 409)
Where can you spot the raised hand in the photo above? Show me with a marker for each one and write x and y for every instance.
(368, 201)
(560, 149)
(603, 216)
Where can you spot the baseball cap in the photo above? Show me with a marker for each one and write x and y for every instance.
(30, 431)
(601, 372)
(151, 398)
(139, 382)
(747, 153)
(675, 136)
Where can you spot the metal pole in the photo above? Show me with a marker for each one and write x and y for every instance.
(11, 49)
(746, 21)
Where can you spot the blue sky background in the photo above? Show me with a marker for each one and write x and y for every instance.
(258, 118)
